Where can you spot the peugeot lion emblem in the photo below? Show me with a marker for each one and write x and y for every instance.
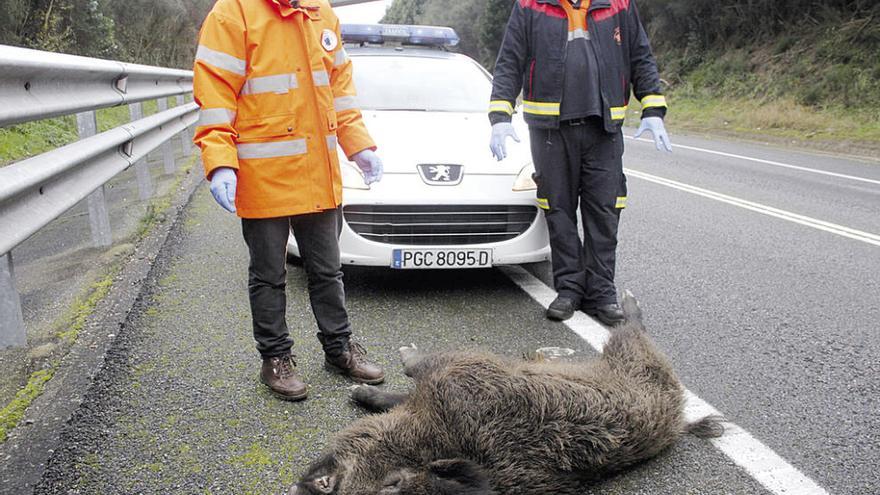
(441, 175)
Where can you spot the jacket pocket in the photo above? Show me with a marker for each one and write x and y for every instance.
(260, 128)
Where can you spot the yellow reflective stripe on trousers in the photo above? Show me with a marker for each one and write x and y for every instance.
(279, 84)
(277, 149)
(221, 60)
(543, 203)
(618, 113)
(652, 101)
(540, 108)
(621, 202)
(215, 116)
(501, 106)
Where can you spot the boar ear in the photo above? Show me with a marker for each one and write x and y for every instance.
(458, 477)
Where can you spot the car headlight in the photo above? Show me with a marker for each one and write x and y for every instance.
(524, 181)
(352, 177)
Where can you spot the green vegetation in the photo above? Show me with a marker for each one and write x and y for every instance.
(256, 457)
(33, 138)
(792, 69)
(83, 307)
(14, 411)
(30, 139)
(155, 32)
(479, 24)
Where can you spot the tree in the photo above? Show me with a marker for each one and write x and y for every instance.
(405, 12)
(480, 24)
(491, 32)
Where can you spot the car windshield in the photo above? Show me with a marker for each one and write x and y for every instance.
(386, 82)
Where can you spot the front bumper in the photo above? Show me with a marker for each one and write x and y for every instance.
(408, 189)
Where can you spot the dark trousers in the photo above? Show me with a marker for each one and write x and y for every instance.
(581, 163)
(317, 236)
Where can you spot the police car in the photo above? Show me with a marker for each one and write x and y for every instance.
(444, 201)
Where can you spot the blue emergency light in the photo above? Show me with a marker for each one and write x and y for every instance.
(407, 35)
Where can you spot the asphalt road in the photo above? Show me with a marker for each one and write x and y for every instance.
(770, 321)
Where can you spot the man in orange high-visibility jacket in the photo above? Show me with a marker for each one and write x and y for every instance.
(277, 97)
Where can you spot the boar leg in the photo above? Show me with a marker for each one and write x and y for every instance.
(416, 365)
(377, 400)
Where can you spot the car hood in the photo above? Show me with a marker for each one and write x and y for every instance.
(406, 139)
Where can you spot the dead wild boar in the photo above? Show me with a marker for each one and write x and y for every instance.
(479, 424)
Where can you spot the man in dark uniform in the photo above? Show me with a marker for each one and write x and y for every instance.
(575, 62)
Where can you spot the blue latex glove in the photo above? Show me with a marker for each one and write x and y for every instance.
(658, 130)
(371, 165)
(500, 132)
(223, 184)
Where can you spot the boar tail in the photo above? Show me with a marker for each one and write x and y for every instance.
(708, 427)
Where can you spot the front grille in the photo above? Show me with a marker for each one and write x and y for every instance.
(439, 225)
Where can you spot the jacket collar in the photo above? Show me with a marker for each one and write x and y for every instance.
(310, 8)
(594, 4)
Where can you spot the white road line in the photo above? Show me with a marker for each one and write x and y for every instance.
(758, 460)
(833, 228)
(766, 162)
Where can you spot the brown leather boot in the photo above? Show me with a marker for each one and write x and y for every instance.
(279, 374)
(353, 364)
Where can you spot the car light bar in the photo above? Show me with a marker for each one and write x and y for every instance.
(408, 35)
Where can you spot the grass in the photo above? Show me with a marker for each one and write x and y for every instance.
(14, 411)
(780, 118)
(32, 138)
(814, 84)
(84, 307)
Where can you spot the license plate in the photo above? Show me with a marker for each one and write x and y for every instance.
(408, 259)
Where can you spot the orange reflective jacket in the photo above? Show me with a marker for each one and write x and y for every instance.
(276, 94)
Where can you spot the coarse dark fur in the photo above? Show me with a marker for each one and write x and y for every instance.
(478, 424)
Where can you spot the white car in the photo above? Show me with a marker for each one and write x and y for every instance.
(444, 201)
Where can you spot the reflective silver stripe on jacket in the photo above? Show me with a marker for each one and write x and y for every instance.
(221, 60)
(331, 143)
(341, 57)
(321, 78)
(277, 149)
(214, 116)
(344, 103)
(578, 34)
(278, 84)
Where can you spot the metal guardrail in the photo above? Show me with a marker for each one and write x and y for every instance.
(36, 85)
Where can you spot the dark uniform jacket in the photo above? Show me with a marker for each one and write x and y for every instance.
(532, 61)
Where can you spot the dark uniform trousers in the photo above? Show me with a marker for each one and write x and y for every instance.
(583, 163)
(317, 236)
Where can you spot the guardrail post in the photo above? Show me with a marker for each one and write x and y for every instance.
(185, 137)
(167, 151)
(141, 168)
(99, 219)
(12, 332)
